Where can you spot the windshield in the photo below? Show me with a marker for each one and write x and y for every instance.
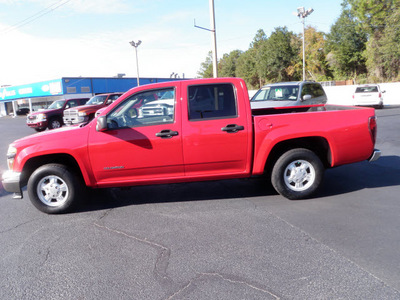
(57, 104)
(277, 93)
(96, 100)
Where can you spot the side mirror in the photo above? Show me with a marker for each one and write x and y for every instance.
(101, 124)
(306, 97)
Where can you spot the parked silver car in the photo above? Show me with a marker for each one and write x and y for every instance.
(290, 93)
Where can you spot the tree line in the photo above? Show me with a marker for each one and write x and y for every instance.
(363, 45)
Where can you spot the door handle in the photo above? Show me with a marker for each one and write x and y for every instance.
(232, 128)
(166, 134)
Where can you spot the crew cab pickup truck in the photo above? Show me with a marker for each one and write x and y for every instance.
(85, 113)
(52, 117)
(211, 134)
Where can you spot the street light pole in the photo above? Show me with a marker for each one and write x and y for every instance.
(302, 13)
(136, 45)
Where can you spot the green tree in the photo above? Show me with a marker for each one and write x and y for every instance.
(372, 14)
(276, 55)
(206, 67)
(346, 44)
(227, 65)
(246, 69)
(378, 19)
(390, 49)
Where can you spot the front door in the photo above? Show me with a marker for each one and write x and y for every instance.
(143, 141)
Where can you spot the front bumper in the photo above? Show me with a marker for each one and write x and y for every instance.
(12, 183)
(42, 124)
(375, 155)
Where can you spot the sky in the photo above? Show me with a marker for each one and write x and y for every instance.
(49, 39)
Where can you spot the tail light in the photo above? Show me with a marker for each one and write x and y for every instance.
(373, 127)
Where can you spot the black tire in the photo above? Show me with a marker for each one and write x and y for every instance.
(40, 129)
(53, 189)
(297, 174)
(55, 123)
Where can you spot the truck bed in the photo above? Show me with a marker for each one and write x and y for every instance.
(300, 109)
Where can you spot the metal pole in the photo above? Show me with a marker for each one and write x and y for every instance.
(137, 67)
(304, 53)
(215, 59)
(136, 45)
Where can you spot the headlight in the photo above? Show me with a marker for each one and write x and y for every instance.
(41, 117)
(82, 114)
(11, 152)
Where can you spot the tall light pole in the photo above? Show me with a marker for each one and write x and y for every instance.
(136, 45)
(302, 13)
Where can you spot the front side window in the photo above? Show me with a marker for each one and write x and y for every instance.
(143, 109)
(211, 101)
(57, 104)
(96, 100)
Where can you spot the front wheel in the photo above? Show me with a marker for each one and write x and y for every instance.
(55, 123)
(297, 174)
(53, 189)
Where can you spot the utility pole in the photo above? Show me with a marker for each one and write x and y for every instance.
(136, 45)
(302, 13)
(214, 37)
(215, 58)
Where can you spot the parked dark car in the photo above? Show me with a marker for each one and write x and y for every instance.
(52, 117)
(22, 111)
(86, 112)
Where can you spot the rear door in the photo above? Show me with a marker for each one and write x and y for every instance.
(216, 134)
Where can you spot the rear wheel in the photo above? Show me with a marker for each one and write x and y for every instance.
(297, 174)
(53, 189)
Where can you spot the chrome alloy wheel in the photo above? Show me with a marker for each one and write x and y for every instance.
(299, 175)
(52, 191)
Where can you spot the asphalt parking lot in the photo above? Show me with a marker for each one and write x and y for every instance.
(234, 239)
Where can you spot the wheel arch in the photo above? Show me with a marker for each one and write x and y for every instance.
(60, 158)
(318, 145)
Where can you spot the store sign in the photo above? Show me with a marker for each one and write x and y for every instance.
(39, 89)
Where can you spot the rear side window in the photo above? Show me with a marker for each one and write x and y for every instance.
(367, 89)
(315, 90)
(211, 101)
(72, 103)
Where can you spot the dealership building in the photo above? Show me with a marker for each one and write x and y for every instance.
(40, 95)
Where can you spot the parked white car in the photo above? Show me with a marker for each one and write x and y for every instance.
(368, 95)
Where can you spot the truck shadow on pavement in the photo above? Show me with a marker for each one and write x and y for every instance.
(337, 181)
(179, 192)
(364, 175)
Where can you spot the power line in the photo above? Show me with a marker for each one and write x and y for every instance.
(36, 16)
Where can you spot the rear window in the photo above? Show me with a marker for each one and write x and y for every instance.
(367, 89)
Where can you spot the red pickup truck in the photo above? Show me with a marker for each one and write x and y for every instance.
(211, 133)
